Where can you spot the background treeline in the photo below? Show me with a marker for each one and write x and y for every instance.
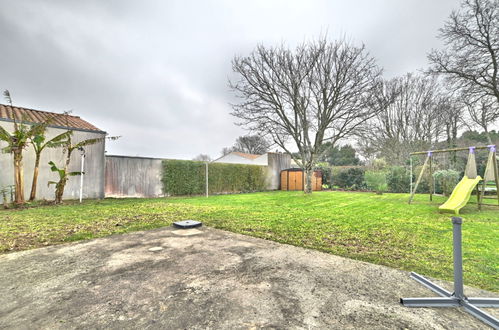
(394, 179)
(422, 114)
(343, 169)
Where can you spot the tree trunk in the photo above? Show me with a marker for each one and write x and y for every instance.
(32, 196)
(18, 177)
(308, 181)
(59, 190)
(488, 136)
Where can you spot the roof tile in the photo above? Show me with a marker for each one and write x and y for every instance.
(37, 116)
(249, 156)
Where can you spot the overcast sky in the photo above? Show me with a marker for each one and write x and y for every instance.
(155, 72)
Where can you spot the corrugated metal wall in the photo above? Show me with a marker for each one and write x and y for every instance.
(141, 177)
(276, 163)
(133, 177)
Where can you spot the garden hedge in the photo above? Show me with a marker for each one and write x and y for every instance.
(446, 181)
(398, 179)
(186, 177)
(351, 178)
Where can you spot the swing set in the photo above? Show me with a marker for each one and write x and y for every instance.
(471, 180)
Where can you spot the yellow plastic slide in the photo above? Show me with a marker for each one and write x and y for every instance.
(461, 194)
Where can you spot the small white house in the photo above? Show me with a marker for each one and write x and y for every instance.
(274, 162)
(236, 157)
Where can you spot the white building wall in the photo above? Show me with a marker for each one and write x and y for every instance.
(235, 159)
(262, 160)
(94, 167)
(275, 162)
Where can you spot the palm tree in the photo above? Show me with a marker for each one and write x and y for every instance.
(39, 144)
(17, 141)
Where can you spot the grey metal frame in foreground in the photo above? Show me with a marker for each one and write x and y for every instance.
(456, 299)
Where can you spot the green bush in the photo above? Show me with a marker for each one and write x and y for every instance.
(424, 185)
(446, 181)
(376, 181)
(398, 179)
(185, 177)
(351, 178)
(326, 171)
(379, 164)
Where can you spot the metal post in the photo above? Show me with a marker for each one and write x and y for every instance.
(458, 257)
(206, 179)
(432, 185)
(456, 299)
(82, 172)
(479, 206)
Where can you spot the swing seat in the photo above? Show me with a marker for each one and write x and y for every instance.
(461, 195)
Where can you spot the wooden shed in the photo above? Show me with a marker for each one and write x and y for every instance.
(294, 179)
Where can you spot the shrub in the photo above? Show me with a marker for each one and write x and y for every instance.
(4, 192)
(326, 171)
(379, 164)
(185, 177)
(446, 181)
(398, 179)
(376, 181)
(352, 178)
(424, 185)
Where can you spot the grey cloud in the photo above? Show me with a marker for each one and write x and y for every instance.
(156, 72)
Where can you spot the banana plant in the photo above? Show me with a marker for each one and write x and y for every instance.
(4, 191)
(69, 147)
(17, 141)
(39, 144)
(63, 178)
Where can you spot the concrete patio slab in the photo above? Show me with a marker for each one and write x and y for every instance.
(211, 280)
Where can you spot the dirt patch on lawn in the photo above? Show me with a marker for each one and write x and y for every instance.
(210, 279)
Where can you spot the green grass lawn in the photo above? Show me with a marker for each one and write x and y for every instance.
(379, 229)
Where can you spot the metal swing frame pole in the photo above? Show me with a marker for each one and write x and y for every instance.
(457, 298)
(410, 174)
(421, 173)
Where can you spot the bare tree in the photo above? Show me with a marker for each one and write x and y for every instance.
(251, 144)
(410, 117)
(451, 112)
(451, 116)
(470, 60)
(483, 112)
(202, 158)
(226, 151)
(321, 91)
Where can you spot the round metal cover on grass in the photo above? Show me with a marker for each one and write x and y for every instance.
(187, 224)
